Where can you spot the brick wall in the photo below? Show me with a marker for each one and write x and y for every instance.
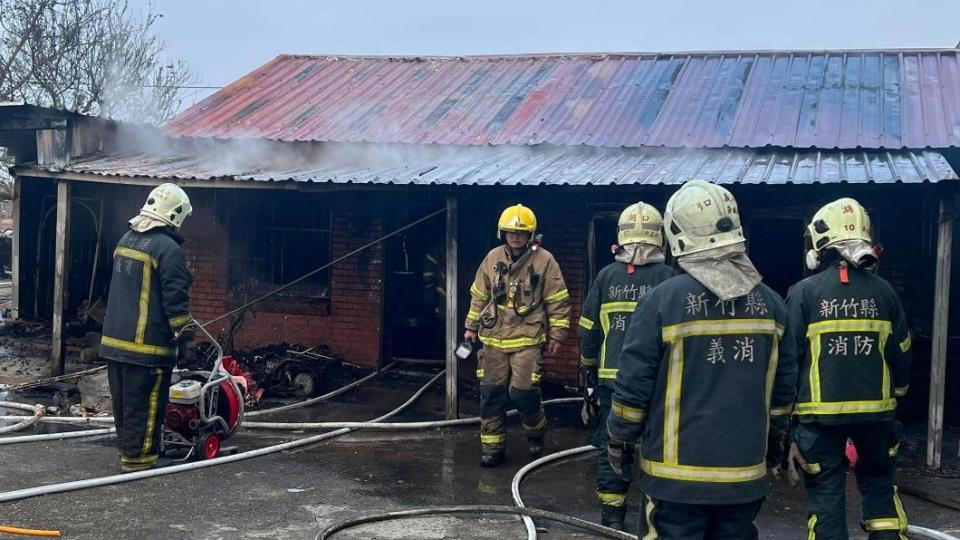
(565, 236)
(351, 326)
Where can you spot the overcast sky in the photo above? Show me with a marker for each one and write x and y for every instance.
(224, 39)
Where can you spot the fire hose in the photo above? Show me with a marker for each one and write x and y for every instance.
(29, 532)
(385, 426)
(599, 530)
(915, 532)
(77, 485)
(26, 422)
(389, 426)
(57, 436)
(325, 397)
(518, 479)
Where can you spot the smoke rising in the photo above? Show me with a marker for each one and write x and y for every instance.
(245, 157)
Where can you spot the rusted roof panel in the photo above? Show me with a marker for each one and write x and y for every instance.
(841, 99)
(576, 167)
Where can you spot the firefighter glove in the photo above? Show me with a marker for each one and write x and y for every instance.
(590, 412)
(777, 443)
(185, 335)
(184, 339)
(620, 455)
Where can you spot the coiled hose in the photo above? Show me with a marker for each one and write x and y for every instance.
(26, 422)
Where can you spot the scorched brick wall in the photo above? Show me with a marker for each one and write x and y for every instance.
(352, 326)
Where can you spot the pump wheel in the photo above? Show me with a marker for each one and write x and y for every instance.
(208, 447)
(304, 384)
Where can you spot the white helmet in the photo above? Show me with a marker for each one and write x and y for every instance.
(843, 219)
(169, 204)
(640, 223)
(701, 216)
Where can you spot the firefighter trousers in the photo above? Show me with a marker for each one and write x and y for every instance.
(611, 489)
(505, 377)
(823, 447)
(140, 397)
(678, 521)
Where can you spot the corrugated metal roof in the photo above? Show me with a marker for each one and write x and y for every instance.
(559, 167)
(842, 99)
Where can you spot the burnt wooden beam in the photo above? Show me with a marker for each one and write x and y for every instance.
(30, 123)
(452, 324)
(58, 352)
(15, 249)
(941, 312)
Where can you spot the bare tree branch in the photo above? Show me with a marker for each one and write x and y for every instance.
(87, 56)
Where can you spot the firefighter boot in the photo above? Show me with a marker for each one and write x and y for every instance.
(534, 420)
(535, 445)
(613, 516)
(490, 458)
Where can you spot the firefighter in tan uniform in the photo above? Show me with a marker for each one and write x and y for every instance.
(519, 304)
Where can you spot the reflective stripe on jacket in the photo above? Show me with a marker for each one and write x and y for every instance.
(699, 379)
(607, 310)
(522, 306)
(852, 344)
(148, 301)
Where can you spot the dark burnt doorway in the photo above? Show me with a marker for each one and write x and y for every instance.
(415, 287)
(776, 249)
(601, 236)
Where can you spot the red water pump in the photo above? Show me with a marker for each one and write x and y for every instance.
(205, 408)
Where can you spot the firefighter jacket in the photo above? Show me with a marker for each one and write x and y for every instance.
(852, 345)
(517, 304)
(148, 301)
(700, 380)
(606, 313)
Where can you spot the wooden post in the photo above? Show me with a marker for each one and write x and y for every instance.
(452, 324)
(15, 250)
(938, 357)
(58, 353)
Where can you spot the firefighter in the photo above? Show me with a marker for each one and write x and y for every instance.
(519, 303)
(604, 320)
(850, 338)
(700, 380)
(147, 317)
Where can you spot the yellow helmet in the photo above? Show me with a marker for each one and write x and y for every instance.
(701, 216)
(843, 219)
(517, 218)
(640, 223)
(168, 203)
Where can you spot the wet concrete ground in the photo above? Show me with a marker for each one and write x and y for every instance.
(294, 494)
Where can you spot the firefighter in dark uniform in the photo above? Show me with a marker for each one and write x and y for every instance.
(849, 336)
(147, 317)
(700, 380)
(604, 319)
